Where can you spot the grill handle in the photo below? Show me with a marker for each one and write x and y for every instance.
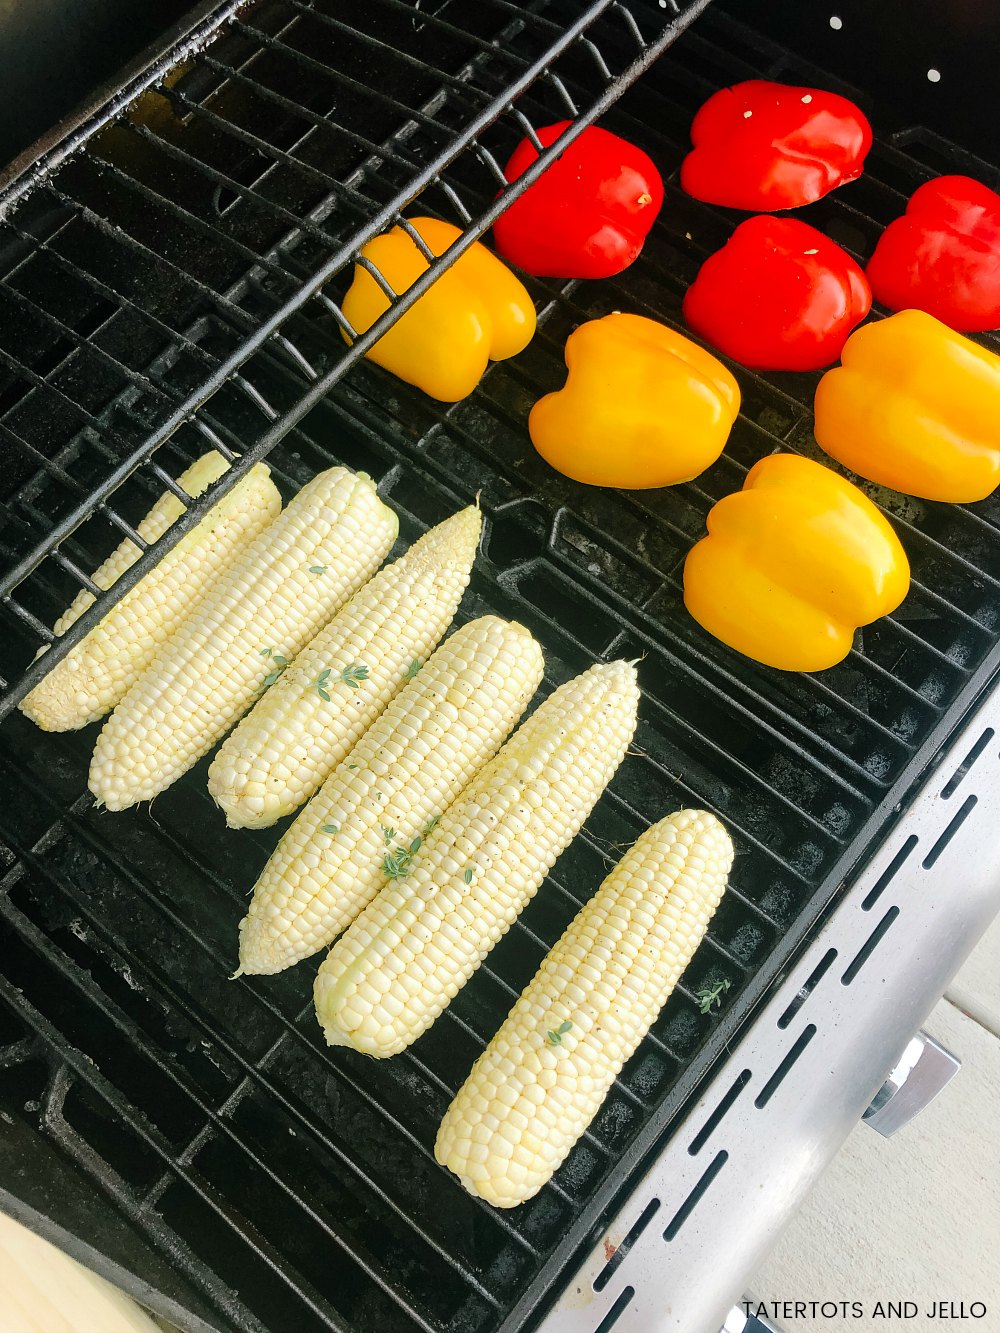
(922, 1071)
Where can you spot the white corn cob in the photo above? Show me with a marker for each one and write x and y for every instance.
(306, 723)
(96, 673)
(272, 600)
(408, 767)
(411, 950)
(545, 1074)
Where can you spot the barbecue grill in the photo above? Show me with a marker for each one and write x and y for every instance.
(171, 262)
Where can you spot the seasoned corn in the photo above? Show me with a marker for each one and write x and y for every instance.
(305, 724)
(374, 809)
(413, 948)
(545, 1074)
(264, 609)
(95, 674)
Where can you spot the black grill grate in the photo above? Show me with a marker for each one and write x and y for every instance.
(201, 227)
(294, 1185)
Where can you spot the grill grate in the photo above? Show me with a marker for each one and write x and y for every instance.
(295, 1185)
(201, 227)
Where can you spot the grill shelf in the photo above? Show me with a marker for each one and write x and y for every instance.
(174, 270)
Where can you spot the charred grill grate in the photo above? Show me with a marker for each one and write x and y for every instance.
(292, 1185)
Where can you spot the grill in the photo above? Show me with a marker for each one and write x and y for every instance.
(169, 279)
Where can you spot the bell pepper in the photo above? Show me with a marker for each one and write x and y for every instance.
(477, 311)
(793, 564)
(914, 406)
(779, 295)
(943, 255)
(764, 146)
(642, 406)
(588, 215)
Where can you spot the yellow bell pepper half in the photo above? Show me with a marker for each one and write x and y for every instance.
(914, 406)
(642, 406)
(477, 311)
(793, 564)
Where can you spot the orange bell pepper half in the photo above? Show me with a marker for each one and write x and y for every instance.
(476, 312)
(793, 564)
(642, 406)
(914, 406)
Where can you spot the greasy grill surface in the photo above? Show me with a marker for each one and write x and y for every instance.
(294, 1185)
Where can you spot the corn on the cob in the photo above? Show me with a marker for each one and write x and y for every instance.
(305, 724)
(413, 948)
(545, 1074)
(370, 815)
(266, 607)
(95, 674)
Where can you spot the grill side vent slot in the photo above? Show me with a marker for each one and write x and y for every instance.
(778, 1077)
(616, 1311)
(617, 1255)
(869, 947)
(714, 1120)
(688, 1206)
(807, 987)
(959, 818)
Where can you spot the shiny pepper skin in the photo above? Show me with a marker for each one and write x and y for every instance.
(588, 214)
(477, 311)
(642, 406)
(779, 295)
(914, 406)
(764, 146)
(793, 564)
(943, 255)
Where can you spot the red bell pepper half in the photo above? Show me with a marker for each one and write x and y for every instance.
(764, 146)
(779, 295)
(588, 215)
(943, 255)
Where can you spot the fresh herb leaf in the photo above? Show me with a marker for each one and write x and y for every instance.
(415, 846)
(710, 996)
(330, 828)
(388, 833)
(317, 569)
(397, 864)
(266, 652)
(555, 1037)
(353, 766)
(467, 874)
(431, 825)
(354, 675)
(279, 663)
(412, 669)
(319, 684)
